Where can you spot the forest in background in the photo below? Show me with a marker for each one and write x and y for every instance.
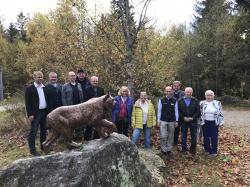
(212, 53)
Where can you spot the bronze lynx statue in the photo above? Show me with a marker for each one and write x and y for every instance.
(64, 120)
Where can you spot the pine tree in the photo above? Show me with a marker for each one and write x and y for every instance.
(20, 25)
(1, 29)
(12, 33)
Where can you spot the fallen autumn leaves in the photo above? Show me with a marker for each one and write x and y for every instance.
(230, 168)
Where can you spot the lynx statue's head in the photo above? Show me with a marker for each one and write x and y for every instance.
(109, 101)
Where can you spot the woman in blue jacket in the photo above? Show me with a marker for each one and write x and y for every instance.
(122, 112)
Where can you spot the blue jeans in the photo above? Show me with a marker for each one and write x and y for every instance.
(39, 119)
(210, 134)
(147, 138)
(193, 131)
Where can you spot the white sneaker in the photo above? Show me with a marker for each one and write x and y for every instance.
(206, 153)
(213, 155)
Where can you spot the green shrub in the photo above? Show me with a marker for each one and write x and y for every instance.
(14, 119)
(228, 99)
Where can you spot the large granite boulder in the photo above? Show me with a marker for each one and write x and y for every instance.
(154, 164)
(104, 162)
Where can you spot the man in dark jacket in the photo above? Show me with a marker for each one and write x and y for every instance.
(83, 81)
(54, 92)
(93, 91)
(177, 94)
(189, 112)
(36, 98)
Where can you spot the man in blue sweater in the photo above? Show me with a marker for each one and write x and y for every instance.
(189, 112)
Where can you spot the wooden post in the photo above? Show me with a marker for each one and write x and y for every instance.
(1, 83)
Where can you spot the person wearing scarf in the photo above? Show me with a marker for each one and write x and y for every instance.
(122, 111)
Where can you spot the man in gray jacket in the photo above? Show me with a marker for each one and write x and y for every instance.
(72, 92)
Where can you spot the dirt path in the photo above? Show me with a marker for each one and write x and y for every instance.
(238, 121)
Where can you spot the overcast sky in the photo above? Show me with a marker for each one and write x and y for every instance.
(163, 12)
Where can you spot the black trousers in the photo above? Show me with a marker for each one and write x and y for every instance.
(122, 126)
(88, 133)
(176, 134)
(193, 132)
(39, 119)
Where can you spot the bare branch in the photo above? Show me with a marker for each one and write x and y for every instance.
(109, 37)
(143, 15)
(142, 21)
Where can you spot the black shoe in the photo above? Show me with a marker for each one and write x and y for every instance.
(184, 151)
(178, 149)
(35, 153)
(169, 153)
(164, 153)
(193, 152)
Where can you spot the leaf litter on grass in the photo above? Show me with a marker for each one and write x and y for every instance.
(230, 168)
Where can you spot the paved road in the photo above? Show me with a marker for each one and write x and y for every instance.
(238, 120)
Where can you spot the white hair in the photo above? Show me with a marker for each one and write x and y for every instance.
(209, 92)
(188, 88)
(52, 73)
(93, 78)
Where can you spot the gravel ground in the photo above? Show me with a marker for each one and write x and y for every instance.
(238, 120)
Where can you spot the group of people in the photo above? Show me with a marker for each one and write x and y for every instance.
(177, 111)
(41, 99)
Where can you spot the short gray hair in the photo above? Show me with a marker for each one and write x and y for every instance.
(36, 73)
(209, 92)
(94, 77)
(177, 82)
(143, 93)
(52, 73)
(188, 88)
